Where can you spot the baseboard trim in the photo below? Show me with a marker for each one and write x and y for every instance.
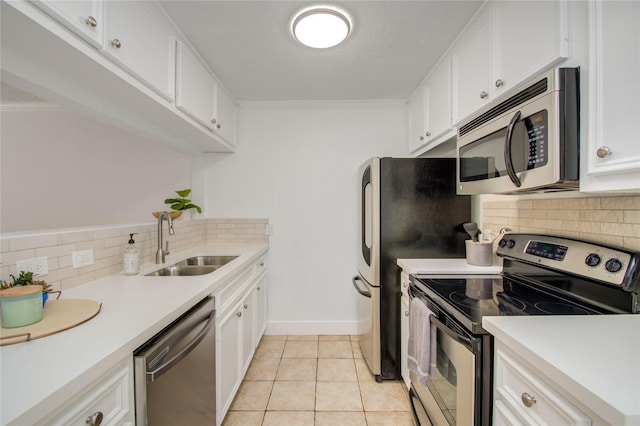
(312, 328)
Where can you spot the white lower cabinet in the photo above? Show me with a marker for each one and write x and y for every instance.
(523, 396)
(111, 398)
(404, 328)
(238, 332)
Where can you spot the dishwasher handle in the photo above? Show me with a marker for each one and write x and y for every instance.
(164, 367)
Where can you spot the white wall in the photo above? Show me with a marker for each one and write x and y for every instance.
(297, 165)
(61, 169)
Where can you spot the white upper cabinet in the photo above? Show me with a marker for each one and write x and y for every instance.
(430, 109)
(143, 43)
(528, 37)
(85, 18)
(507, 43)
(611, 150)
(195, 87)
(199, 95)
(471, 68)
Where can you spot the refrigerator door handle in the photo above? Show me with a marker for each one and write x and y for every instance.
(365, 220)
(365, 293)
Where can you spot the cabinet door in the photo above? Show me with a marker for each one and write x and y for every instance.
(142, 43)
(417, 119)
(195, 87)
(228, 352)
(225, 116)
(520, 52)
(611, 158)
(471, 68)
(248, 329)
(438, 101)
(85, 18)
(261, 306)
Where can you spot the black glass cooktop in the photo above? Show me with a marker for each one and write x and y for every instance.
(469, 298)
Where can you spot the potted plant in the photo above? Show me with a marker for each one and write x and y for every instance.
(179, 204)
(26, 278)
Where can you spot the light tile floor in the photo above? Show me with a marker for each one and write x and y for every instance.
(315, 381)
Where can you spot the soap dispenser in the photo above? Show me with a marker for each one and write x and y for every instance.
(131, 258)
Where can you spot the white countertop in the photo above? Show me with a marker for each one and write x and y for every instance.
(595, 358)
(446, 266)
(38, 376)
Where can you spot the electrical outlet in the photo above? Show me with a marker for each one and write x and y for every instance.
(82, 258)
(37, 265)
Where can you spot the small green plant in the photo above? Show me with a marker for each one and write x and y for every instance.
(182, 203)
(25, 278)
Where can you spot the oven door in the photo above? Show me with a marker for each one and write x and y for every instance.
(452, 397)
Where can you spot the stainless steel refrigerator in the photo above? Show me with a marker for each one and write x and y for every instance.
(408, 210)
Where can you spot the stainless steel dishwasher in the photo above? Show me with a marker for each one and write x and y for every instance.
(175, 380)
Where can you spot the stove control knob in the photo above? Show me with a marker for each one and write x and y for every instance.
(503, 242)
(592, 260)
(511, 243)
(613, 265)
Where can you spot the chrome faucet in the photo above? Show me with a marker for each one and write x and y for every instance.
(161, 253)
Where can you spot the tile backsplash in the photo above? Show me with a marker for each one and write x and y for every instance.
(609, 220)
(109, 242)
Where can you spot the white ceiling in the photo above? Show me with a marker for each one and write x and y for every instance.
(392, 47)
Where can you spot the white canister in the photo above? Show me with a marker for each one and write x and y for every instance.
(21, 305)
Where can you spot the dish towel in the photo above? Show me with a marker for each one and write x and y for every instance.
(421, 351)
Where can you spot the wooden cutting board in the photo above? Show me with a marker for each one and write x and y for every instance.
(57, 316)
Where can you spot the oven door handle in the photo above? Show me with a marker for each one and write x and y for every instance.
(365, 293)
(508, 161)
(464, 340)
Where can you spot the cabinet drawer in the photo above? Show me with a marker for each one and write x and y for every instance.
(112, 396)
(228, 294)
(530, 396)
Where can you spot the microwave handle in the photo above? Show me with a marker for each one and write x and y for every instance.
(507, 150)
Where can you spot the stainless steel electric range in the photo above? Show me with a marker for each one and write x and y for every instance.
(542, 275)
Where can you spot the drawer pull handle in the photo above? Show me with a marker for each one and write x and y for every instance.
(91, 21)
(116, 43)
(95, 419)
(528, 400)
(406, 313)
(604, 152)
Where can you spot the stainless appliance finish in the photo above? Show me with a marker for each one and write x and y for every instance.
(542, 275)
(175, 371)
(527, 143)
(408, 209)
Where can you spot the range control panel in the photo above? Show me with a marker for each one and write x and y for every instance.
(612, 266)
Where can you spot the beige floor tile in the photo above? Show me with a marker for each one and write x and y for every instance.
(270, 349)
(403, 418)
(297, 369)
(385, 396)
(338, 338)
(243, 418)
(335, 349)
(338, 396)
(302, 338)
(252, 395)
(340, 418)
(355, 348)
(364, 374)
(300, 349)
(262, 369)
(337, 370)
(288, 418)
(290, 395)
(272, 337)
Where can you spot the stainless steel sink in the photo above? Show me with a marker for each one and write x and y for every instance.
(196, 265)
(206, 261)
(179, 271)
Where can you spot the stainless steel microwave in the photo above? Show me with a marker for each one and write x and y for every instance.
(527, 143)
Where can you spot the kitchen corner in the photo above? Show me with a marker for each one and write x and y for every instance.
(40, 376)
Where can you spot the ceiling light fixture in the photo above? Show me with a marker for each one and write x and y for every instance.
(321, 27)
